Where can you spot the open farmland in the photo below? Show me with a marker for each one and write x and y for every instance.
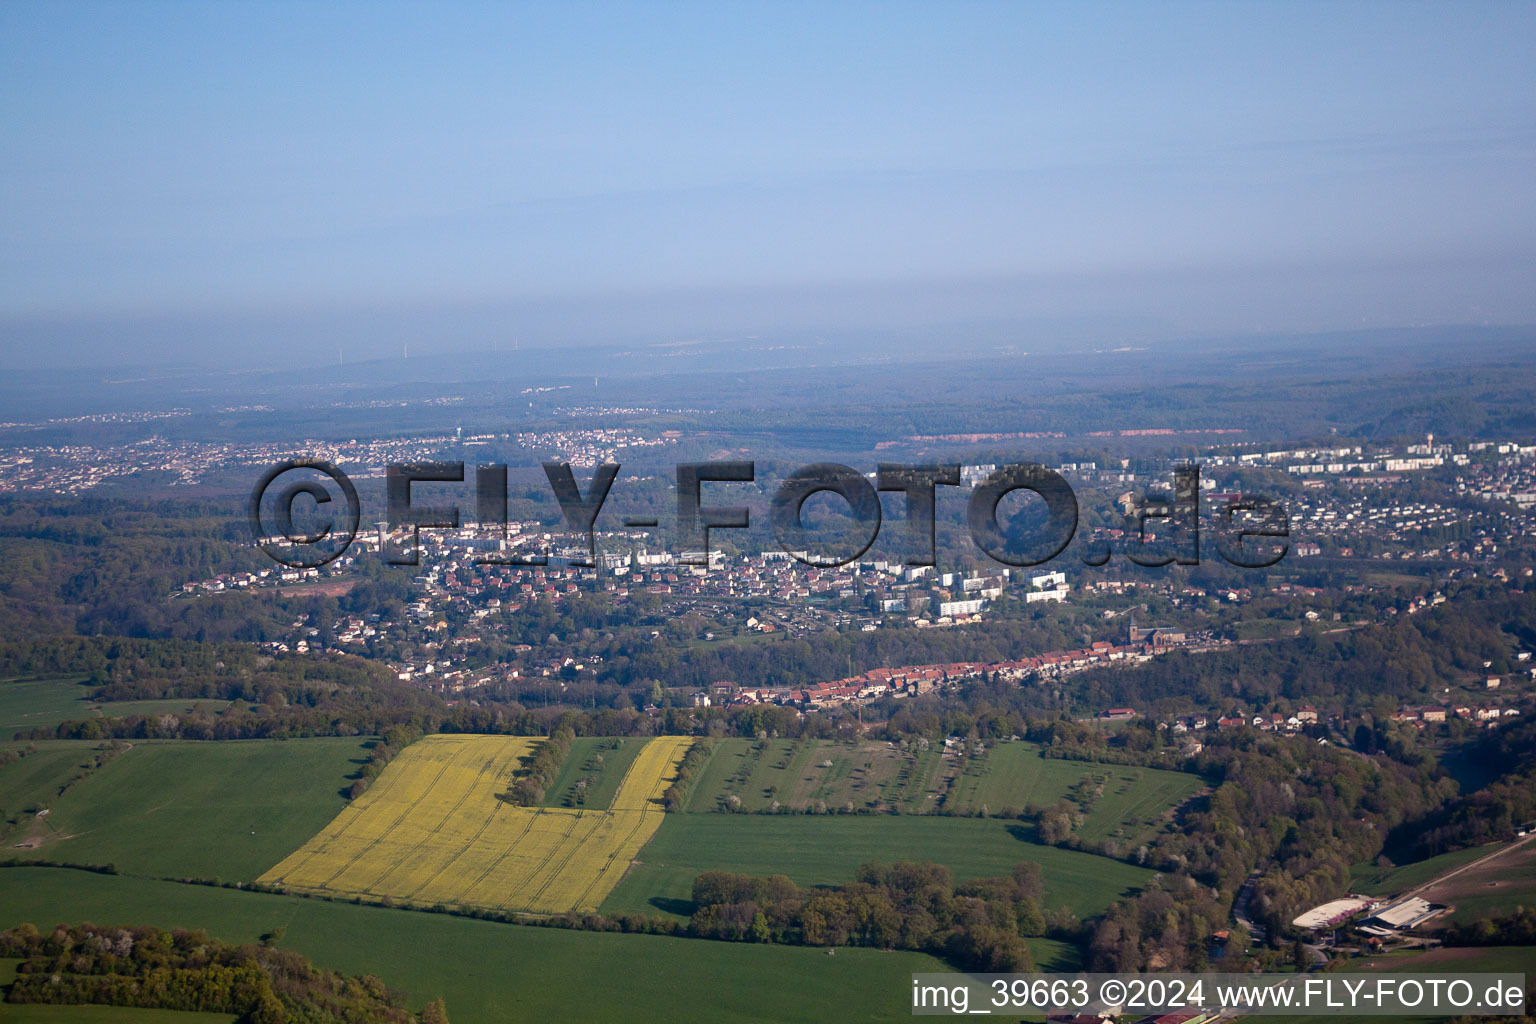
(1117, 802)
(1122, 803)
(1479, 881)
(1489, 887)
(828, 849)
(34, 782)
(41, 703)
(431, 830)
(491, 973)
(1374, 881)
(182, 809)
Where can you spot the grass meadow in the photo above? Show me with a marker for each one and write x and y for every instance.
(1373, 881)
(33, 782)
(42, 703)
(598, 761)
(828, 849)
(490, 973)
(226, 810)
(1124, 804)
(1118, 802)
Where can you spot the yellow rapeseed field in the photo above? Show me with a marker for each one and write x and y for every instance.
(430, 830)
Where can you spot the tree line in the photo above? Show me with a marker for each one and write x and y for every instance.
(977, 925)
(540, 769)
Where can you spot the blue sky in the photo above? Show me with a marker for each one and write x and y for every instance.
(581, 171)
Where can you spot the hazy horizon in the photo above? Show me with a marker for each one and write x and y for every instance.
(230, 185)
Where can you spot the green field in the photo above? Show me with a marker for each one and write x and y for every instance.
(1497, 903)
(1055, 957)
(41, 703)
(1125, 804)
(490, 973)
(197, 810)
(800, 775)
(600, 762)
(44, 703)
(34, 781)
(1267, 629)
(1489, 890)
(1489, 959)
(758, 772)
(125, 708)
(827, 850)
(1372, 881)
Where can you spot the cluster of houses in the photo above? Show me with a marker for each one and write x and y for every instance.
(916, 680)
(1512, 479)
(1187, 726)
(1354, 459)
(1271, 722)
(242, 580)
(1306, 715)
(456, 570)
(1434, 713)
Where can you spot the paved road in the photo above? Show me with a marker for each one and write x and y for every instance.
(1240, 908)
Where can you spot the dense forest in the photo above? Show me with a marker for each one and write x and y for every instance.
(1300, 813)
(1493, 812)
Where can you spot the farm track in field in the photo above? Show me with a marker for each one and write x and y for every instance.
(383, 883)
(642, 824)
(431, 830)
(549, 868)
(460, 894)
(608, 861)
(357, 816)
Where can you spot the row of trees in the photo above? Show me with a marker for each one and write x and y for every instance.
(541, 769)
(1517, 928)
(978, 925)
(394, 740)
(687, 770)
